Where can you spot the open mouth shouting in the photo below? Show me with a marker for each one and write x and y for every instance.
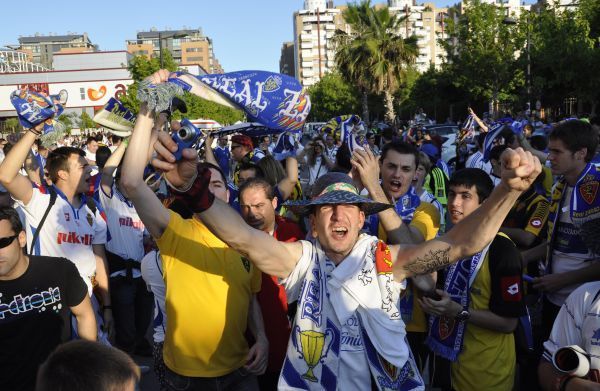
(339, 232)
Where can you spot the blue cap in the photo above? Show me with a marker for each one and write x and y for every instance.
(430, 150)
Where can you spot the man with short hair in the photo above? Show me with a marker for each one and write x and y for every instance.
(91, 146)
(202, 276)
(222, 154)
(37, 297)
(258, 206)
(571, 248)
(73, 228)
(88, 366)
(481, 302)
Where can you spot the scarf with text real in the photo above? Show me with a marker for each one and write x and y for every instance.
(446, 335)
(584, 205)
(363, 285)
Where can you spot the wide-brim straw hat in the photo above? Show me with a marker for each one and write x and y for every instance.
(335, 188)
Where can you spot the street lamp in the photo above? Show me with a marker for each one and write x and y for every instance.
(162, 35)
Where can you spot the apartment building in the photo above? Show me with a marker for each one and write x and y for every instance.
(188, 47)
(40, 49)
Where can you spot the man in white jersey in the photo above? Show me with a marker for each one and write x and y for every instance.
(577, 323)
(74, 228)
(131, 301)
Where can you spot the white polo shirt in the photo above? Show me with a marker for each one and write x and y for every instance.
(67, 232)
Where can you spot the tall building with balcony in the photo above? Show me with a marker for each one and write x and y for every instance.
(41, 48)
(427, 23)
(187, 47)
(314, 27)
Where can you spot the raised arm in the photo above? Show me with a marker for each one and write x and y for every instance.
(519, 170)
(152, 212)
(209, 154)
(481, 124)
(17, 185)
(228, 226)
(111, 166)
(286, 185)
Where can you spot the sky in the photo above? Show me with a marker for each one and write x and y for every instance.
(246, 34)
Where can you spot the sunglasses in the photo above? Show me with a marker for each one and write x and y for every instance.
(5, 242)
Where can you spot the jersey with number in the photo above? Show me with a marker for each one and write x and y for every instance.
(68, 232)
(127, 240)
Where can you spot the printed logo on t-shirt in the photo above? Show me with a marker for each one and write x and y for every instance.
(67, 217)
(510, 288)
(537, 223)
(74, 238)
(37, 301)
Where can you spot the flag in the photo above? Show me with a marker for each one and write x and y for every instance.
(34, 108)
(116, 117)
(488, 144)
(274, 100)
(284, 146)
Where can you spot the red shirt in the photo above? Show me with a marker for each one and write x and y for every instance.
(273, 301)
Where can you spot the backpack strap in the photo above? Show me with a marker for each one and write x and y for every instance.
(36, 235)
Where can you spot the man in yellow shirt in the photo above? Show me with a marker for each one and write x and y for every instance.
(481, 302)
(210, 288)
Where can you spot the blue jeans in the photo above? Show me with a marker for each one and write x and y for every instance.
(238, 380)
(132, 311)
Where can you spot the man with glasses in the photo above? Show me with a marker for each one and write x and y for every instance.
(37, 296)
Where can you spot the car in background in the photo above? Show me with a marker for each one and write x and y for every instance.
(448, 134)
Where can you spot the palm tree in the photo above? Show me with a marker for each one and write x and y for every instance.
(374, 56)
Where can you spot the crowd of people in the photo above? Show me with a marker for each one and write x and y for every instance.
(335, 268)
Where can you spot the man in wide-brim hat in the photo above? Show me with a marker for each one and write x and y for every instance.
(347, 318)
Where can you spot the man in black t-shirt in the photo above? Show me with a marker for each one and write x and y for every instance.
(37, 297)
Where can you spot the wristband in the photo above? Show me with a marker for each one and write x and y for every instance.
(37, 134)
(186, 187)
(198, 198)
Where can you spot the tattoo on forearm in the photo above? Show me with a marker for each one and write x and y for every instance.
(430, 262)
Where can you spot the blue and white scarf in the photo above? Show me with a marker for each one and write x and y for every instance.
(446, 335)
(363, 287)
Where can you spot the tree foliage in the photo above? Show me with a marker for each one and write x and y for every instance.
(482, 52)
(141, 67)
(374, 56)
(332, 96)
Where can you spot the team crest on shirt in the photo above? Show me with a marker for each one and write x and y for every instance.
(67, 217)
(246, 264)
(588, 191)
(90, 219)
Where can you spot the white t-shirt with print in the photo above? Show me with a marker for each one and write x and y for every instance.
(67, 232)
(354, 373)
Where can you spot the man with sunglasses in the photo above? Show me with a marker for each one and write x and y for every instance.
(74, 227)
(37, 296)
